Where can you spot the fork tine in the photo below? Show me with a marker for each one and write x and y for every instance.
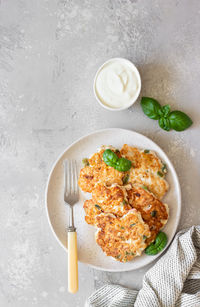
(72, 176)
(76, 178)
(67, 177)
(71, 190)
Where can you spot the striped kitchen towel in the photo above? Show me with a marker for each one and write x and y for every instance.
(173, 281)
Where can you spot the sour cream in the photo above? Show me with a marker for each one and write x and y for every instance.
(117, 84)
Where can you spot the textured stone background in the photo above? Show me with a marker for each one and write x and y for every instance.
(49, 53)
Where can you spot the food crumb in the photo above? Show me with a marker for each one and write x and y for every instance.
(62, 289)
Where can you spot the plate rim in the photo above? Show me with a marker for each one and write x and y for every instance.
(178, 211)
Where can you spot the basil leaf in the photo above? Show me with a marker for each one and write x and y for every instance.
(151, 107)
(120, 164)
(179, 121)
(158, 245)
(123, 165)
(110, 158)
(160, 112)
(166, 110)
(164, 123)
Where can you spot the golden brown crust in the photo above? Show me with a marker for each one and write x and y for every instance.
(152, 210)
(122, 238)
(111, 199)
(146, 170)
(91, 211)
(105, 199)
(86, 179)
(98, 172)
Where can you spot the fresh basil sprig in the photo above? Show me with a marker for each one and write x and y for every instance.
(167, 120)
(158, 245)
(151, 107)
(164, 123)
(179, 120)
(120, 164)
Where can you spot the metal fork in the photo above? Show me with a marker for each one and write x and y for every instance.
(71, 197)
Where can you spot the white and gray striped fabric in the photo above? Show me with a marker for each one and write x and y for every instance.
(173, 281)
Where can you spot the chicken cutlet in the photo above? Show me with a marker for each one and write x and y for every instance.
(122, 238)
(147, 170)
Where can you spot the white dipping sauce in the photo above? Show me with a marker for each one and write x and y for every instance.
(117, 83)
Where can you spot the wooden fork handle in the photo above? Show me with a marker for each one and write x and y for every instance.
(72, 262)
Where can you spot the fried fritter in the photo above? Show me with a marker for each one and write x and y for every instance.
(91, 211)
(111, 199)
(147, 170)
(106, 199)
(152, 210)
(122, 238)
(98, 172)
(87, 179)
(119, 200)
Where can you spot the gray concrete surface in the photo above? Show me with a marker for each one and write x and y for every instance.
(49, 53)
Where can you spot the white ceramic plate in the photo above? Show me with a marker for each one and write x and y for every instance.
(88, 251)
